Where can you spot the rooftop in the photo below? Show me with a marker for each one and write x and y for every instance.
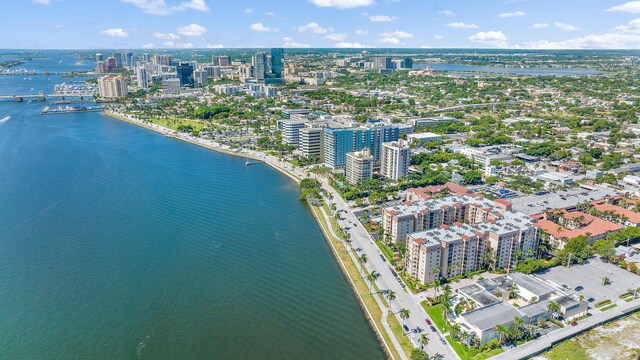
(488, 317)
(561, 199)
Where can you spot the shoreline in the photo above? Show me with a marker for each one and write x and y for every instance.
(207, 144)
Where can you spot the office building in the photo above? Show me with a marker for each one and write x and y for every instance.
(213, 72)
(339, 141)
(395, 159)
(143, 78)
(112, 63)
(99, 57)
(382, 62)
(259, 63)
(277, 58)
(102, 67)
(129, 59)
(119, 59)
(146, 57)
(171, 86)
(220, 60)
(424, 138)
(111, 87)
(200, 76)
(359, 166)
(185, 73)
(406, 63)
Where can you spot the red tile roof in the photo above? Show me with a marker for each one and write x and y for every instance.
(633, 216)
(590, 225)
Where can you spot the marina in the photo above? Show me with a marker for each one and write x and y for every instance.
(70, 109)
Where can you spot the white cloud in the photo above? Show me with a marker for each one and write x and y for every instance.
(381, 18)
(390, 40)
(601, 41)
(566, 27)
(159, 7)
(462, 25)
(398, 34)
(259, 27)
(171, 44)
(438, 37)
(270, 13)
(512, 14)
(249, 10)
(169, 36)
(149, 46)
(425, 47)
(191, 30)
(490, 38)
(632, 26)
(215, 46)
(336, 37)
(115, 32)
(342, 4)
(362, 32)
(539, 26)
(446, 13)
(41, 2)
(314, 28)
(631, 7)
(290, 43)
(350, 45)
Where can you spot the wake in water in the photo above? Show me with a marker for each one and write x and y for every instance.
(4, 119)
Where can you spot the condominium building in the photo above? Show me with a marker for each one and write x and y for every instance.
(395, 159)
(290, 130)
(143, 78)
(339, 141)
(463, 229)
(359, 166)
(110, 87)
(162, 60)
(310, 142)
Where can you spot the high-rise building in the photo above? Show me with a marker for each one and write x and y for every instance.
(119, 59)
(129, 59)
(213, 72)
(259, 63)
(394, 159)
(339, 141)
(291, 131)
(407, 63)
(110, 87)
(162, 60)
(277, 57)
(146, 57)
(143, 78)
(359, 166)
(382, 62)
(200, 76)
(171, 86)
(102, 67)
(99, 57)
(112, 63)
(310, 142)
(185, 73)
(220, 60)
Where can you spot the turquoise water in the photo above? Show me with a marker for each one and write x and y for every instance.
(119, 243)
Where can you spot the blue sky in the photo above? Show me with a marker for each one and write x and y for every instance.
(90, 24)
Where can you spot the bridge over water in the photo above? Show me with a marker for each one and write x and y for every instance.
(41, 96)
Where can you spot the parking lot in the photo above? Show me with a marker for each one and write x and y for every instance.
(589, 276)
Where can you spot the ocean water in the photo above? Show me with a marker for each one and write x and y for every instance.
(119, 243)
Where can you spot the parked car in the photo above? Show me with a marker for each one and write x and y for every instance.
(432, 328)
(579, 288)
(443, 341)
(428, 321)
(575, 323)
(406, 328)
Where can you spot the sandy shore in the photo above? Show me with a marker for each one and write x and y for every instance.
(281, 166)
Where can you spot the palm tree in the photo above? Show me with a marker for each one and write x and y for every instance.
(424, 339)
(372, 277)
(518, 325)
(362, 260)
(502, 331)
(391, 295)
(404, 315)
(554, 308)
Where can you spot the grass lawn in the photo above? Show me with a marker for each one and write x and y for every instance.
(173, 124)
(467, 353)
(567, 350)
(363, 287)
(608, 307)
(435, 313)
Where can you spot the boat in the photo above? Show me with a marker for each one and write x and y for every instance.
(247, 163)
(5, 119)
(70, 109)
(58, 102)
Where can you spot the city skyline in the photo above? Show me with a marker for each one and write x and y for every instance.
(180, 24)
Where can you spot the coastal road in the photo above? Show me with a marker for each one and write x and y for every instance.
(387, 281)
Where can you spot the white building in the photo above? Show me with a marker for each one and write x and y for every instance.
(310, 142)
(557, 178)
(359, 166)
(110, 87)
(291, 130)
(171, 86)
(143, 78)
(394, 159)
(424, 138)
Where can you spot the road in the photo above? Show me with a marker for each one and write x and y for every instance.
(387, 281)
